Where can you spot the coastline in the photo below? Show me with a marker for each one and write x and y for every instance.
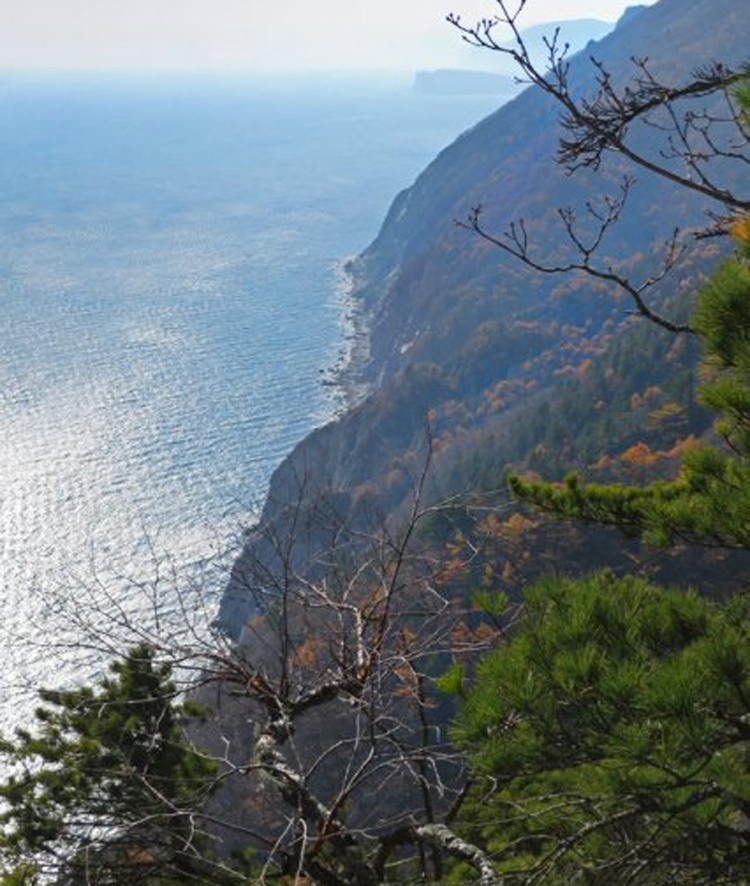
(344, 379)
(346, 374)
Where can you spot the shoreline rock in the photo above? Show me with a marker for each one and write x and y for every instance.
(347, 374)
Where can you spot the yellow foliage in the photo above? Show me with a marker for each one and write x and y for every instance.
(603, 463)
(491, 526)
(741, 229)
(518, 524)
(667, 412)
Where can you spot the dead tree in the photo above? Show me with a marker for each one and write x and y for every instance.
(330, 741)
(349, 764)
(703, 140)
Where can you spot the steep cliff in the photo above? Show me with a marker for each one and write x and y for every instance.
(505, 362)
(424, 281)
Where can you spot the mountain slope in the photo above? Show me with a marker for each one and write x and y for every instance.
(420, 268)
(488, 351)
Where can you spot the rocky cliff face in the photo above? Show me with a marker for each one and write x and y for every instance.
(421, 276)
(462, 334)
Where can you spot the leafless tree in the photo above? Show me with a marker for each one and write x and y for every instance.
(703, 141)
(334, 762)
(350, 764)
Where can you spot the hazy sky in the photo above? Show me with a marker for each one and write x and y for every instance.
(250, 34)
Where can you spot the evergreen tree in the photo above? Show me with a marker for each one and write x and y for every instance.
(107, 790)
(709, 503)
(609, 739)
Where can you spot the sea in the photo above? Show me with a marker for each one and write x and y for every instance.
(171, 302)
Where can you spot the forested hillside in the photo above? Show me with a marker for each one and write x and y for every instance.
(404, 699)
(512, 367)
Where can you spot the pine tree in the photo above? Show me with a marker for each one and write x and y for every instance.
(107, 789)
(709, 502)
(609, 739)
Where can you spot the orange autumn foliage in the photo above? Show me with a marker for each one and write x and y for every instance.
(639, 454)
(741, 230)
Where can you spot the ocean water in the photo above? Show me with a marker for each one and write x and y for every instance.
(169, 257)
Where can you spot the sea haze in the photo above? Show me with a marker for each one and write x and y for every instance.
(168, 302)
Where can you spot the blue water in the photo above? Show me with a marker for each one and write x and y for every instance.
(168, 302)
